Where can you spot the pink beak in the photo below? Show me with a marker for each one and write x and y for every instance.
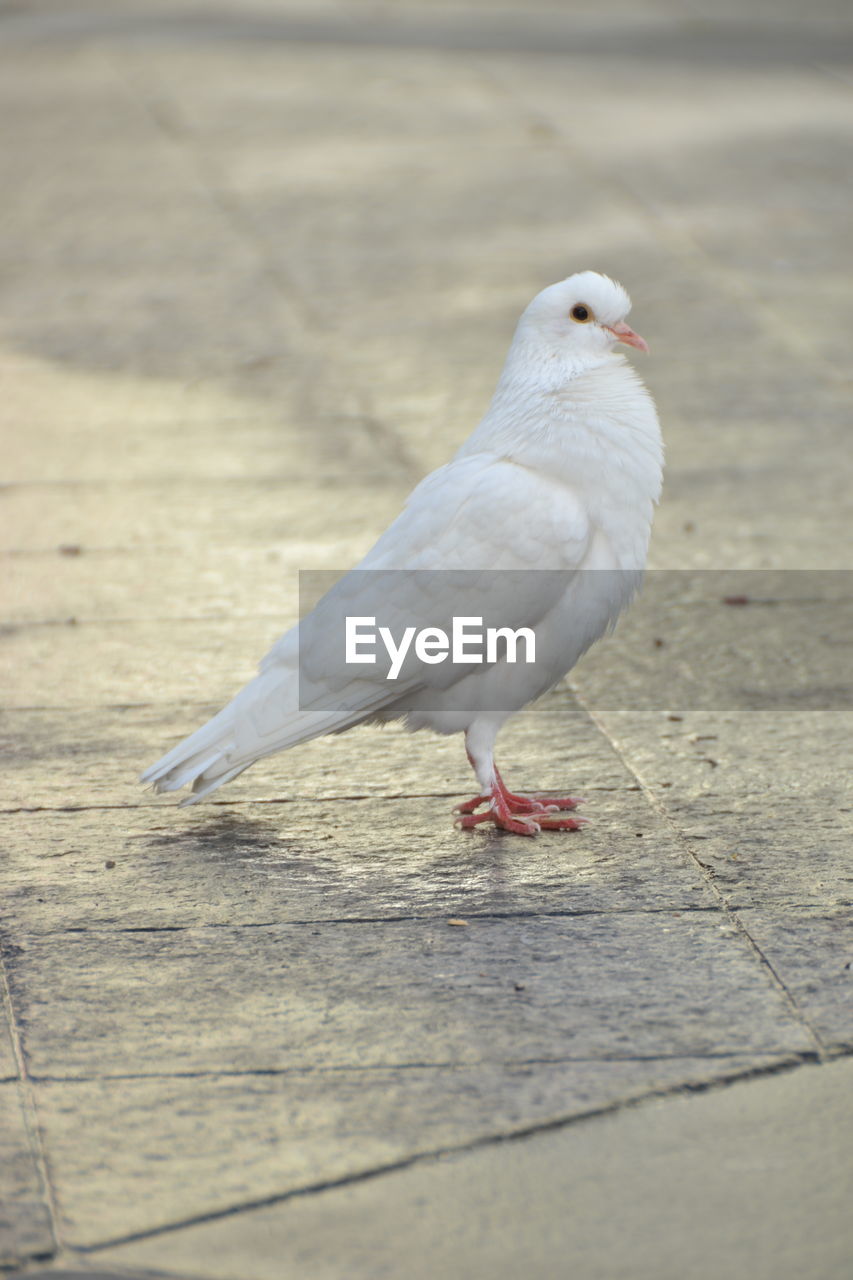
(625, 334)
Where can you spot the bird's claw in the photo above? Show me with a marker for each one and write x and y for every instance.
(541, 803)
(504, 821)
(519, 825)
(532, 806)
(468, 806)
(562, 824)
(521, 815)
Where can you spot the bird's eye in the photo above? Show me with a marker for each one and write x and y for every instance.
(581, 313)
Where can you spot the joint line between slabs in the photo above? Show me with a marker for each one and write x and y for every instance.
(360, 797)
(779, 1058)
(658, 806)
(159, 807)
(27, 1093)
(491, 917)
(476, 1144)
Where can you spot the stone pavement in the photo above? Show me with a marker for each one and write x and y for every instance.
(260, 267)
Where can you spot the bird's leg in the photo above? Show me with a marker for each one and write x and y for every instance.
(523, 815)
(468, 806)
(533, 804)
(483, 764)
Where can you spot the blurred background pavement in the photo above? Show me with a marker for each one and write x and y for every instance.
(260, 266)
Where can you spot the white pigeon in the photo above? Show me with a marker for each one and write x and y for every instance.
(541, 520)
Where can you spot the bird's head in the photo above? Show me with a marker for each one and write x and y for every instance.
(583, 316)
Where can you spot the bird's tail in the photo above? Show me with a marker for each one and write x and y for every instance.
(203, 759)
(263, 718)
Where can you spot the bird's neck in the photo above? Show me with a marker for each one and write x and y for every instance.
(544, 401)
(594, 429)
(536, 366)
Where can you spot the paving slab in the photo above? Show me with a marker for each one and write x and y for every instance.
(657, 1192)
(812, 953)
(234, 1140)
(339, 859)
(271, 997)
(762, 800)
(168, 514)
(742, 639)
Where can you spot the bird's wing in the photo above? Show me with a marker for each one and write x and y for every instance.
(484, 512)
(479, 538)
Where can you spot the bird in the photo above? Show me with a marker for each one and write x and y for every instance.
(541, 521)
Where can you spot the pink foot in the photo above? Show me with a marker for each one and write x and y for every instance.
(522, 815)
(523, 826)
